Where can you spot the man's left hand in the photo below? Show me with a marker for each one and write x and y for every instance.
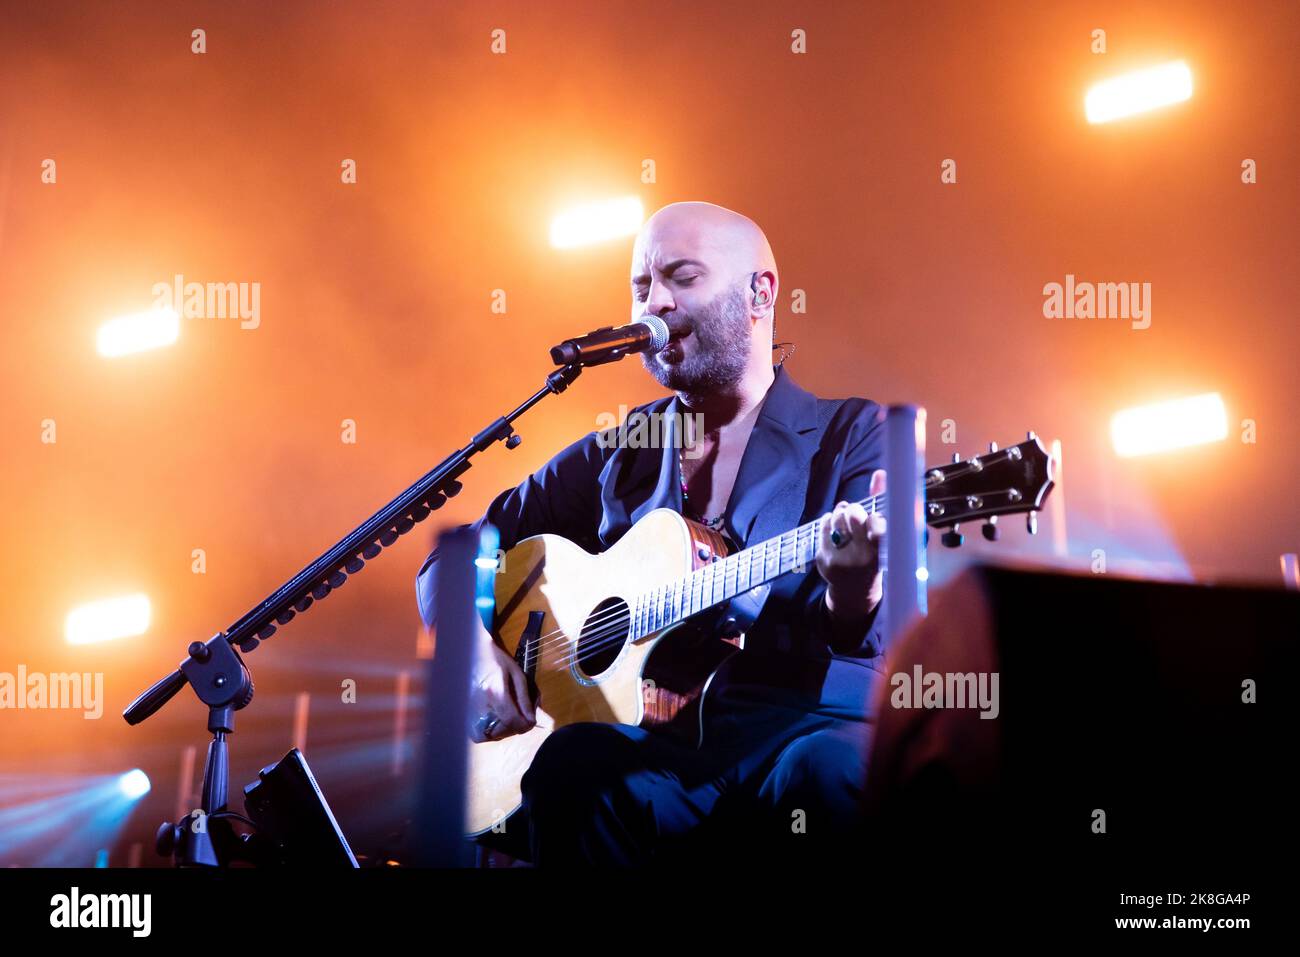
(851, 569)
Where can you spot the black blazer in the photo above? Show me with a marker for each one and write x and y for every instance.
(596, 489)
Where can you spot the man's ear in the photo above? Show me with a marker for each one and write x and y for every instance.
(762, 295)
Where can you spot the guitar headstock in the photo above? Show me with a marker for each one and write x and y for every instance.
(1006, 481)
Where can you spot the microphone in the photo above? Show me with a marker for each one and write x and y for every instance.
(647, 334)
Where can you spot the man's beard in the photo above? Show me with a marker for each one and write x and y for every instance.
(721, 331)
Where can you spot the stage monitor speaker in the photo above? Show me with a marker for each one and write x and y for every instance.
(1120, 719)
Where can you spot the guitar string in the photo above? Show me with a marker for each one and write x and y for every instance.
(947, 472)
(615, 626)
(619, 631)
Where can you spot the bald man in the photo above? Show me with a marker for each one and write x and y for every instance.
(786, 723)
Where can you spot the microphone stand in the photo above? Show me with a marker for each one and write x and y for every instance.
(218, 675)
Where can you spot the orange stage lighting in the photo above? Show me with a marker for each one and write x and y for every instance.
(1175, 424)
(1138, 92)
(120, 617)
(138, 333)
(597, 222)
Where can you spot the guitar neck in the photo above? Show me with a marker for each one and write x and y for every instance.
(1013, 480)
(725, 578)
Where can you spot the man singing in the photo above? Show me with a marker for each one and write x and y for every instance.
(787, 722)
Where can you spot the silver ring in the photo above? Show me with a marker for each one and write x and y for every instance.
(487, 723)
(839, 540)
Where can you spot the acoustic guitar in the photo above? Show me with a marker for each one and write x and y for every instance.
(635, 634)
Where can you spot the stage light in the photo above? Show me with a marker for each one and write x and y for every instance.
(1175, 424)
(121, 617)
(138, 333)
(62, 820)
(1138, 92)
(597, 222)
(134, 784)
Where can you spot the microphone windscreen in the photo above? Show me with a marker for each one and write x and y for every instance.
(659, 333)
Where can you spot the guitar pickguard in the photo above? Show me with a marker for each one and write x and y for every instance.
(678, 672)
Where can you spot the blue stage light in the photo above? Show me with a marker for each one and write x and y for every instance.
(134, 784)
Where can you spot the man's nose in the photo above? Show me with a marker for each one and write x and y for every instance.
(660, 299)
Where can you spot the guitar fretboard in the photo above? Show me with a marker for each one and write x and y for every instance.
(725, 578)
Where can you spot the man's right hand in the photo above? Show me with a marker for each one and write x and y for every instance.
(498, 688)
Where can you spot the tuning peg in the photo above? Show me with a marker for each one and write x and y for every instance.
(513, 440)
(1030, 435)
(952, 538)
(1031, 523)
(993, 446)
(956, 457)
(453, 488)
(990, 529)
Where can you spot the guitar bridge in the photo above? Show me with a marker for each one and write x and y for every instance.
(529, 648)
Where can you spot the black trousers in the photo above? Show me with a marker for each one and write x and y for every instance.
(769, 783)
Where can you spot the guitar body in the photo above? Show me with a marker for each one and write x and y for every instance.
(561, 612)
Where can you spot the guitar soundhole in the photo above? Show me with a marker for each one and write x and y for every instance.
(603, 635)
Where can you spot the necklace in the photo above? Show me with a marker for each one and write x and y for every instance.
(706, 522)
